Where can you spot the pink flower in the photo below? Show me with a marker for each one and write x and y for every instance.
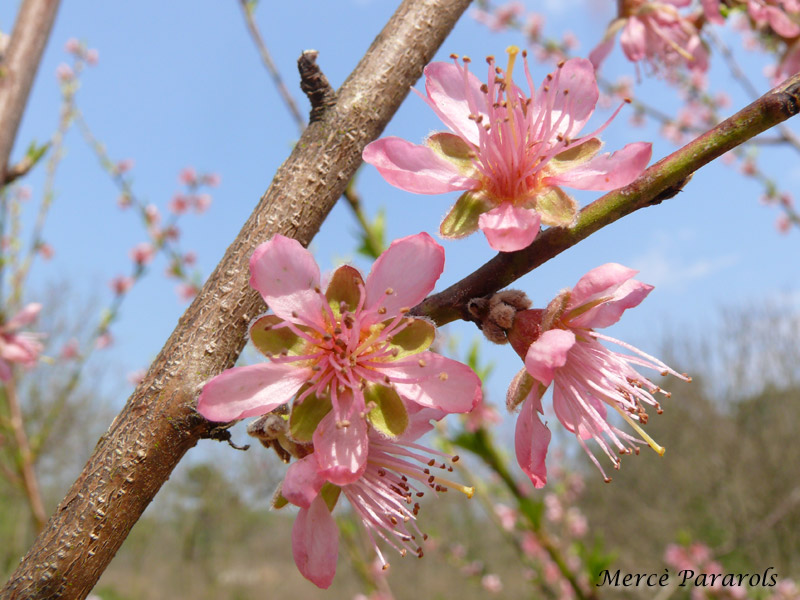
(92, 56)
(73, 46)
(142, 253)
(654, 32)
(20, 347)
(200, 202)
(774, 14)
(64, 73)
(501, 17)
(179, 204)
(560, 346)
(186, 291)
(508, 151)
(384, 497)
(70, 350)
(790, 62)
(121, 284)
(211, 179)
(125, 165)
(492, 583)
(188, 176)
(104, 341)
(350, 356)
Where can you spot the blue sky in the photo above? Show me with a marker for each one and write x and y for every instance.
(180, 83)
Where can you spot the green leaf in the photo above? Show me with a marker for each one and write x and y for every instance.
(306, 416)
(330, 493)
(271, 342)
(34, 153)
(462, 219)
(556, 207)
(453, 149)
(417, 337)
(344, 287)
(573, 157)
(373, 241)
(389, 416)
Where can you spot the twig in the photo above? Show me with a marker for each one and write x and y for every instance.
(158, 425)
(26, 470)
(772, 108)
(266, 58)
(18, 69)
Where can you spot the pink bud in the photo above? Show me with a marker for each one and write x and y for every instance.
(212, 179)
(73, 46)
(64, 73)
(70, 350)
(201, 203)
(142, 253)
(104, 341)
(151, 215)
(188, 176)
(124, 166)
(92, 56)
(121, 284)
(189, 258)
(186, 291)
(178, 205)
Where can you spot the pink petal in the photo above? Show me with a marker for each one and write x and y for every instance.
(711, 10)
(781, 23)
(434, 381)
(303, 482)
(419, 421)
(408, 269)
(315, 543)
(577, 78)
(5, 371)
(454, 100)
(248, 391)
(629, 294)
(607, 171)
(549, 353)
(600, 282)
(531, 439)
(414, 168)
(286, 275)
(601, 51)
(24, 317)
(341, 451)
(509, 228)
(634, 39)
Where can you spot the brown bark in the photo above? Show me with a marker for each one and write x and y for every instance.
(18, 69)
(159, 424)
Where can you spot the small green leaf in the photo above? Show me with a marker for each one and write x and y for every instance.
(573, 157)
(271, 342)
(306, 416)
(373, 241)
(453, 149)
(344, 287)
(389, 416)
(462, 219)
(416, 337)
(330, 493)
(556, 207)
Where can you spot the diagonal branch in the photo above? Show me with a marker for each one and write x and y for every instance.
(18, 69)
(159, 424)
(659, 182)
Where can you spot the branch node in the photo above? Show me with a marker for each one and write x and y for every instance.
(315, 85)
(223, 434)
(495, 315)
(671, 191)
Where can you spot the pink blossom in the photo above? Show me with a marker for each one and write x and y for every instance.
(142, 253)
(351, 353)
(186, 291)
(64, 73)
(492, 583)
(656, 33)
(384, 496)
(783, 224)
(501, 17)
(92, 56)
(125, 165)
(509, 152)
(790, 62)
(560, 346)
(507, 516)
(200, 202)
(46, 251)
(135, 377)
(483, 416)
(211, 179)
(774, 14)
(19, 347)
(189, 258)
(188, 176)
(104, 341)
(121, 284)
(73, 46)
(70, 350)
(124, 201)
(178, 205)
(152, 215)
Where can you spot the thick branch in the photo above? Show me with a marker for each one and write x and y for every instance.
(653, 186)
(159, 423)
(18, 69)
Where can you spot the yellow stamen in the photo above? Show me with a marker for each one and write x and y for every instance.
(650, 441)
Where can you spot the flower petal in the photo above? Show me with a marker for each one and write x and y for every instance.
(531, 439)
(315, 543)
(548, 353)
(24, 317)
(600, 282)
(342, 451)
(509, 228)
(453, 99)
(434, 381)
(607, 171)
(573, 92)
(629, 294)
(248, 391)
(286, 275)
(634, 39)
(302, 482)
(415, 168)
(404, 274)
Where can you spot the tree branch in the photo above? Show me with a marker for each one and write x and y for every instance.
(652, 187)
(18, 69)
(159, 424)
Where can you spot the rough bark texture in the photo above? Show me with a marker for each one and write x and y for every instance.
(658, 183)
(159, 424)
(18, 69)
